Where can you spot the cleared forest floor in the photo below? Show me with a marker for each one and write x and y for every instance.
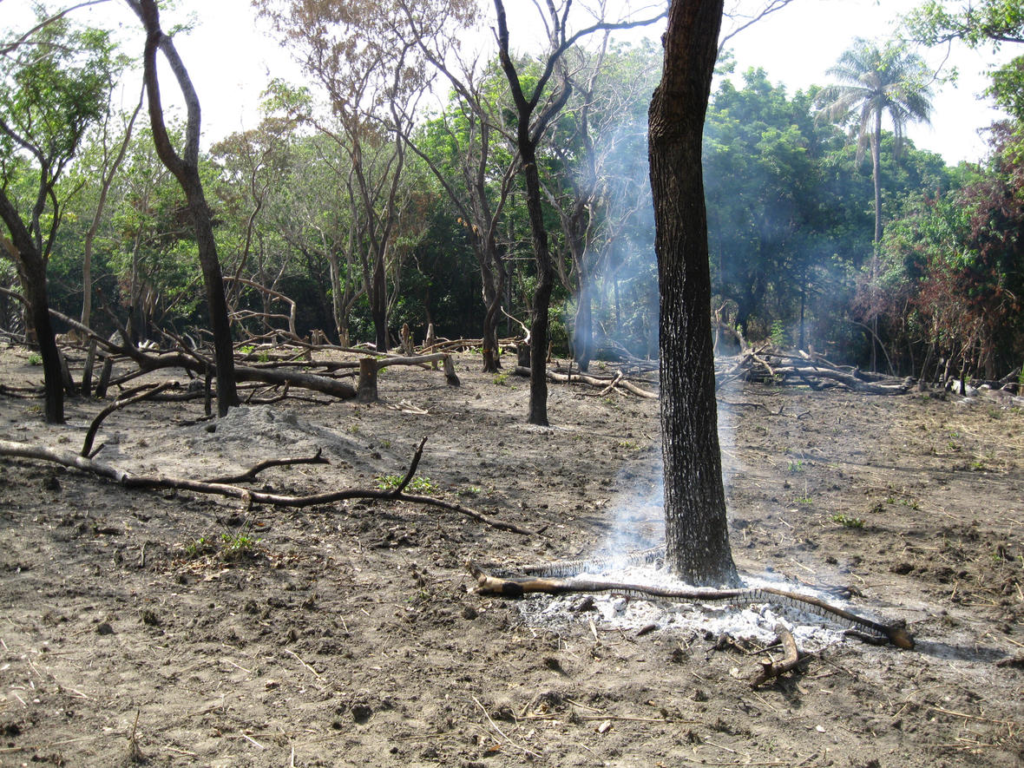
(185, 630)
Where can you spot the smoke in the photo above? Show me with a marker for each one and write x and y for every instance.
(637, 511)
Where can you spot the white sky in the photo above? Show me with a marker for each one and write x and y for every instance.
(230, 60)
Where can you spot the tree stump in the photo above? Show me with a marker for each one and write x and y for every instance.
(90, 362)
(406, 343)
(366, 391)
(104, 382)
(523, 355)
(450, 376)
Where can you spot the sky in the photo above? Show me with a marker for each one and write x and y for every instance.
(231, 57)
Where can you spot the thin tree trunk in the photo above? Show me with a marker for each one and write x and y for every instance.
(186, 171)
(545, 281)
(492, 290)
(583, 323)
(106, 179)
(876, 176)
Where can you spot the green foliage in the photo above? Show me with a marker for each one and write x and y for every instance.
(975, 23)
(237, 545)
(951, 275)
(790, 205)
(874, 81)
(786, 202)
(51, 89)
(35, 358)
(422, 485)
(198, 547)
(846, 521)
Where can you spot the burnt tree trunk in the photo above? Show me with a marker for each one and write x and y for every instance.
(492, 274)
(39, 311)
(31, 266)
(545, 282)
(529, 131)
(186, 171)
(696, 531)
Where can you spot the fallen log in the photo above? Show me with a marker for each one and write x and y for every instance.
(772, 366)
(853, 382)
(196, 363)
(340, 389)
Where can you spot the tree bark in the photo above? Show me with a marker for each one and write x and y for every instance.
(696, 532)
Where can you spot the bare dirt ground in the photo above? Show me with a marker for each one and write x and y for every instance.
(172, 629)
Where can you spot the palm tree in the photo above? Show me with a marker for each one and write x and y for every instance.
(873, 82)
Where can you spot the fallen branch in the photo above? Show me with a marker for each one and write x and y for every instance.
(249, 476)
(771, 670)
(593, 381)
(862, 627)
(116, 406)
(128, 480)
(370, 366)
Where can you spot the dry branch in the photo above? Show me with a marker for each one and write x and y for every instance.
(128, 480)
(605, 384)
(116, 406)
(771, 670)
(249, 476)
(863, 627)
(765, 365)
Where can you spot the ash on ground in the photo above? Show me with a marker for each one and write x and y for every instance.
(739, 619)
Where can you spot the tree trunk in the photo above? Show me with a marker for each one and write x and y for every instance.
(542, 294)
(583, 324)
(379, 305)
(223, 351)
(696, 532)
(31, 267)
(876, 177)
(492, 290)
(186, 171)
(35, 293)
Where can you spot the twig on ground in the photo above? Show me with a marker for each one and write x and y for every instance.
(292, 653)
(503, 735)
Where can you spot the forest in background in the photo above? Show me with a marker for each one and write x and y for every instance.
(364, 212)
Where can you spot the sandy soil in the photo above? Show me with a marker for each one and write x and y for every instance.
(171, 629)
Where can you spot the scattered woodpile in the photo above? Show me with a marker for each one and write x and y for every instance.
(272, 366)
(775, 367)
(605, 381)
